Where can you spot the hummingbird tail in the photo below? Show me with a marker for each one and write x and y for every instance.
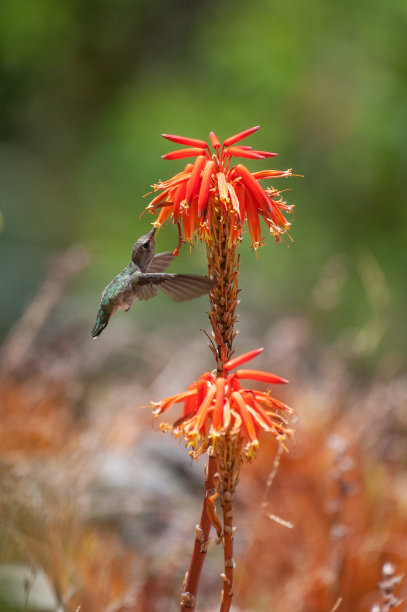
(101, 322)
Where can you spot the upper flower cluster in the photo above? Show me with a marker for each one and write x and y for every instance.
(215, 406)
(211, 180)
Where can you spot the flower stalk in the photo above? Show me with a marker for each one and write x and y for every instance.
(202, 530)
(211, 199)
(228, 451)
(223, 267)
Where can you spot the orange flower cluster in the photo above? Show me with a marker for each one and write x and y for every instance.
(189, 196)
(215, 406)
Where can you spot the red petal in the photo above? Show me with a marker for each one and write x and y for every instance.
(265, 174)
(267, 153)
(192, 142)
(158, 199)
(267, 377)
(238, 152)
(259, 418)
(179, 197)
(204, 407)
(202, 389)
(241, 195)
(234, 199)
(253, 221)
(250, 181)
(175, 399)
(187, 222)
(269, 216)
(237, 425)
(262, 200)
(193, 210)
(232, 139)
(190, 403)
(190, 220)
(164, 204)
(214, 140)
(177, 179)
(237, 361)
(195, 178)
(271, 401)
(226, 414)
(281, 220)
(181, 153)
(163, 216)
(246, 418)
(222, 187)
(219, 403)
(256, 406)
(234, 384)
(205, 186)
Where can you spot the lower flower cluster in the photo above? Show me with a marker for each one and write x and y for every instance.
(216, 406)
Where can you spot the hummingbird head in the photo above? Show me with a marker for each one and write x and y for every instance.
(144, 249)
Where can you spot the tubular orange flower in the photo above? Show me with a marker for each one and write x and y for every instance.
(205, 186)
(195, 179)
(232, 139)
(216, 406)
(182, 153)
(214, 140)
(191, 142)
(241, 152)
(237, 361)
(212, 181)
(267, 377)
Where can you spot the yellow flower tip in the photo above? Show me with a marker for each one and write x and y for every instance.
(250, 450)
(165, 427)
(255, 246)
(241, 359)
(156, 408)
(156, 224)
(215, 435)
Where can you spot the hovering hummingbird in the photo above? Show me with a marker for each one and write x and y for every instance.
(141, 280)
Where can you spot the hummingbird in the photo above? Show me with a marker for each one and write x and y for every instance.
(142, 278)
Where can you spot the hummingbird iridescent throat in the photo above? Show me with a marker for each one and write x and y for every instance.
(142, 279)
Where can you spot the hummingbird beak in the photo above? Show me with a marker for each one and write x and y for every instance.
(153, 231)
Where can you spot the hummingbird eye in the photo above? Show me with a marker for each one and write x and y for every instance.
(145, 245)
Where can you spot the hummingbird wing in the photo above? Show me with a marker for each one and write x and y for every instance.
(146, 292)
(179, 287)
(160, 262)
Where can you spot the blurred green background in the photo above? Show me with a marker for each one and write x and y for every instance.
(86, 89)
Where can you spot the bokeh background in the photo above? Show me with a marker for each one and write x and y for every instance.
(86, 89)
